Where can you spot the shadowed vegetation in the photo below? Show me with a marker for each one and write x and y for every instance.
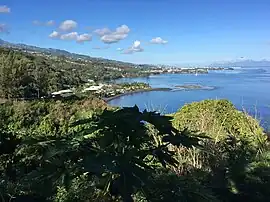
(82, 151)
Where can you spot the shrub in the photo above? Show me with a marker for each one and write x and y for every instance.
(218, 119)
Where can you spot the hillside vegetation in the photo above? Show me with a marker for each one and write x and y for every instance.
(80, 149)
(84, 151)
(24, 75)
(218, 118)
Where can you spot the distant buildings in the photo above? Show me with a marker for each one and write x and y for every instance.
(62, 93)
(93, 88)
(162, 69)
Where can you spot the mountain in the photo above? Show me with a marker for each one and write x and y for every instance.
(3, 43)
(243, 63)
(35, 48)
(59, 52)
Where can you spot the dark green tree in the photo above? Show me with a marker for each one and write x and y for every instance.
(114, 150)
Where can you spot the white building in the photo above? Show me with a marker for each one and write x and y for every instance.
(93, 88)
(62, 92)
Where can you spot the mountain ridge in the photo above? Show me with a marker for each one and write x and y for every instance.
(243, 63)
(60, 52)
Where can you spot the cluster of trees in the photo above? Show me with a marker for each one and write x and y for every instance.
(67, 151)
(135, 85)
(25, 75)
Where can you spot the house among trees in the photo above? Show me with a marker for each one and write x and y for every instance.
(62, 93)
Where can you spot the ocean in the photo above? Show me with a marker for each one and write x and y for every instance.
(247, 88)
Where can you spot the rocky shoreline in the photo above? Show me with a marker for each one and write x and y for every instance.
(108, 99)
(175, 88)
(193, 87)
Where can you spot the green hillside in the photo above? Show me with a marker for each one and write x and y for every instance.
(65, 150)
(25, 75)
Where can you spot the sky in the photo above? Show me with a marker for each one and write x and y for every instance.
(143, 31)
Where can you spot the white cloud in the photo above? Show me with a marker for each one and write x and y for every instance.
(55, 35)
(119, 49)
(72, 36)
(50, 23)
(4, 28)
(84, 37)
(119, 34)
(102, 32)
(136, 47)
(158, 40)
(124, 29)
(4, 9)
(69, 36)
(113, 38)
(68, 25)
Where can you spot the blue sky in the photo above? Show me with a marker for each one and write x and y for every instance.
(144, 31)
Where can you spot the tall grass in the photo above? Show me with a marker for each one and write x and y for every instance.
(216, 119)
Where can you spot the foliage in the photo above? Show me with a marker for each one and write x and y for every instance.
(47, 117)
(219, 118)
(82, 150)
(225, 162)
(135, 85)
(65, 151)
(233, 177)
(113, 150)
(167, 186)
(25, 75)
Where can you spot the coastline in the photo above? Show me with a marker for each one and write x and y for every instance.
(178, 87)
(108, 99)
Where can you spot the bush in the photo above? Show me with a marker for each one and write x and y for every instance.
(169, 187)
(218, 119)
(234, 164)
(125, 154)
(48, 117)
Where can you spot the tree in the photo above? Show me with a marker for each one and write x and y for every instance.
(114, 150)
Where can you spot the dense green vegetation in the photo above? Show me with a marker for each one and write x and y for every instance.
(218, 118)
(24, 75)
(235, 161)
(83, 151)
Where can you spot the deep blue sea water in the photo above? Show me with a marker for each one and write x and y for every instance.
(247, 88)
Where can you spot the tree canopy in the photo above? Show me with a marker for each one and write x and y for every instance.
(24, 75)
